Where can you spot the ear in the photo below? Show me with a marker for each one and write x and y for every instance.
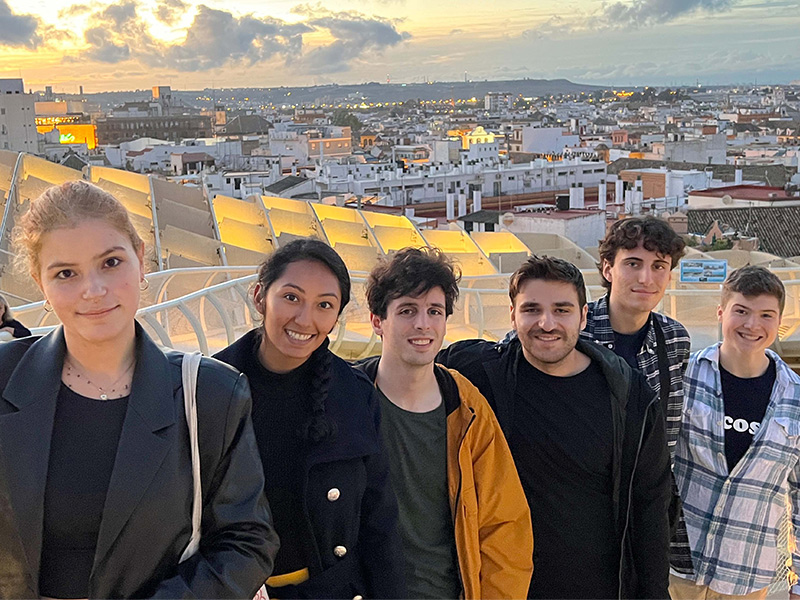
(258, 298)
(720, 310)
(377, 324)
(607, 270)
(513, 318)
(584, 312)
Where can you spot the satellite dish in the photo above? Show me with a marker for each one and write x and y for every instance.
(508, 218)
(726, 199)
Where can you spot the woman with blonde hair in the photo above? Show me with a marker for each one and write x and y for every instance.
(96, 481)
(9, 324)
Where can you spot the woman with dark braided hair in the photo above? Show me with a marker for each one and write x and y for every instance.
(316, 423)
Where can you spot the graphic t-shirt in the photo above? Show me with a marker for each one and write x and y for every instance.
(745, 401)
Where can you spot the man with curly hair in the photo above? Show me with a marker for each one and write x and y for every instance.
(637, 257)
(464, 518)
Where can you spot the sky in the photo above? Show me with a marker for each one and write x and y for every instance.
(109, 45)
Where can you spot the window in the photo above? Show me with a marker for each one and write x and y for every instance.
(439, 186)
(2, 111)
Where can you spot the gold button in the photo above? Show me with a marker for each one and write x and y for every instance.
(339, 551)
(333, 494)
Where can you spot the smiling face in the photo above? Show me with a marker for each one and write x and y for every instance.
(300, 309)
(548, 320)
(749, 323)
(639, 278)
(413, 329)
(90, 274)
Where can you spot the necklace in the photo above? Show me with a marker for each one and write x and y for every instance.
(103, 393)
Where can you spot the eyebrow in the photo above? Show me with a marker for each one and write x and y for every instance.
(768, 310)
(299, 289)
(559, 304)
(61, 265)
(657, 260)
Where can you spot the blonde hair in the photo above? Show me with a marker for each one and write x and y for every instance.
(66, 206)
(7, 314)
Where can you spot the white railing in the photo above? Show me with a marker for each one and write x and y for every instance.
(216, 315)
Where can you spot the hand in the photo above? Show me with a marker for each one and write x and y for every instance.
(7, 330)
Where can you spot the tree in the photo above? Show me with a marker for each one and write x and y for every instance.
(343, 118)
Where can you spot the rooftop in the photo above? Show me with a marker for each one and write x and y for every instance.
(755, 193)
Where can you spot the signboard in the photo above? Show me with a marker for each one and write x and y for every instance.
(703, 271)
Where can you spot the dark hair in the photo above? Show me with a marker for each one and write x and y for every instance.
(752, 281)
(549, 269)
(412, 272)
(318, 427)
(651, 232)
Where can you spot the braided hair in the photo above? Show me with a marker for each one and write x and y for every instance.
(319, 426)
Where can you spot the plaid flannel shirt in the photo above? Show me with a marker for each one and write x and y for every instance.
(734, 519)
(598, 328)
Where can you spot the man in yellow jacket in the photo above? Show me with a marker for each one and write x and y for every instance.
(464, 518)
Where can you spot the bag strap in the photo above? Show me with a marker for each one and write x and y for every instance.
(663, 364)
(189, 368)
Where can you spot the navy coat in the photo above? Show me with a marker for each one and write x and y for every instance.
(363, 520)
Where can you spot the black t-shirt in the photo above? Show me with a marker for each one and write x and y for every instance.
(562, 445)
(627, 345)
(745, 401)
(83, 448)
(281, 405)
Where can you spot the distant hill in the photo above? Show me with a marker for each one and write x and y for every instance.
(369, 92)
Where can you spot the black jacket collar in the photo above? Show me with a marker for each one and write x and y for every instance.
(25, 435)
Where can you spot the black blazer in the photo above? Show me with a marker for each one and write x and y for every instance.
(147, 516)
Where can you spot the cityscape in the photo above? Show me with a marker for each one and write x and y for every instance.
(220, 164)
(359, 299)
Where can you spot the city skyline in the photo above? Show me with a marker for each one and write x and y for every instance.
(131, 44)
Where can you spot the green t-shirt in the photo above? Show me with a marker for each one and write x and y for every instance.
(416, 444)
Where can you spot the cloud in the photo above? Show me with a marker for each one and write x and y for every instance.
(18, 30)
(218, 38)
(74, 10)
(554, 28)
(169, 10)
(642, 13)
(355, 35)
(456, 31)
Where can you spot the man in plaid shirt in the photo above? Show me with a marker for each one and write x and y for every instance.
(636, 259)
(736, 462)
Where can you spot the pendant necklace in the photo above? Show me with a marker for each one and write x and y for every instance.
(103, 394)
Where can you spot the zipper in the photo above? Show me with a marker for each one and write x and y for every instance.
(630, 496)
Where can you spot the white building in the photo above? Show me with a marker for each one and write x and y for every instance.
(708, 149)
(304, 145)
(17, 118)
(544, 140)
(498, 102)
(433, 182)
(584, 227)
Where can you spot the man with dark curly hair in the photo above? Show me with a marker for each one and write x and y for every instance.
(636, 260)
(464, 518)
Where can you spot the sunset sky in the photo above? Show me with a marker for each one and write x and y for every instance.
(130, 44)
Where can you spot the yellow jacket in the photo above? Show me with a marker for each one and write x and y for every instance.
(494, 537)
